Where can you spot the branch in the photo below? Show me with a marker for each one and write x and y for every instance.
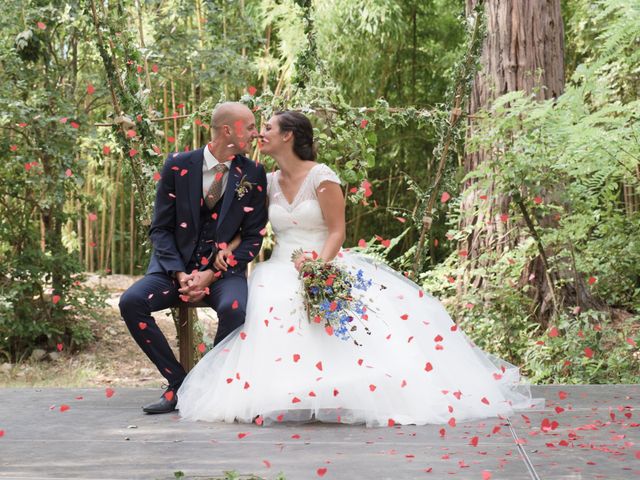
(454, 118)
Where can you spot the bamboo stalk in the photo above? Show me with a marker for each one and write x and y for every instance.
(132, 232)
(146, 62)
(110, 258)
(267, 47)
(87, 247)
(103, 216)
(175, 120)
(166, 117)
(87, 223)
(195, 140)
(224, 42)
(244, 48)
(43, 242)
(79, 230)
(121, 205)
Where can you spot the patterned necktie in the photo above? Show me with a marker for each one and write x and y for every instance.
(215, 190)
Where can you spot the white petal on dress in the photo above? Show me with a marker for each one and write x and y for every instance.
(415, 367)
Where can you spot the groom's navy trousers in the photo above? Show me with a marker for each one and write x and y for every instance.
(183, 232)
(158, 291)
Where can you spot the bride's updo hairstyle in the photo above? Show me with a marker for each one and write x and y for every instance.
(300, 126)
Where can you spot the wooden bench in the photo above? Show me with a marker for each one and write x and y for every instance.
(185, 332)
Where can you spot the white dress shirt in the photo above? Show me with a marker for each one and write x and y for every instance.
(207, 171)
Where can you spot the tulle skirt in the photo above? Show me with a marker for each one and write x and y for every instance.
(413, 366)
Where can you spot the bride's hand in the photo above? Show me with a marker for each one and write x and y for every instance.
(299, 260)
(221, 259)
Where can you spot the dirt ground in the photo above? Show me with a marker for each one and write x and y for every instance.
(113, 359)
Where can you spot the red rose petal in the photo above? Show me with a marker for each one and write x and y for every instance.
(109, 392)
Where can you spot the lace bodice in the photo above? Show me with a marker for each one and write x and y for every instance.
(299, 224)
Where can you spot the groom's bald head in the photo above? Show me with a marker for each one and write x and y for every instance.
(228, 113)
(233, 126)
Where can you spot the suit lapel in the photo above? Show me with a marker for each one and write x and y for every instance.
(229, 192)
(195, 186)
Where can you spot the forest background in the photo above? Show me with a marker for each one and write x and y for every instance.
(505, 186)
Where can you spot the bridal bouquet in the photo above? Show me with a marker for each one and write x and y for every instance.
(330, 297)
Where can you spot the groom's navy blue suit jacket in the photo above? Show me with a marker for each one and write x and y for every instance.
(175, 228)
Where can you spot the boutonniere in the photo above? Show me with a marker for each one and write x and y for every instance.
(243, 187)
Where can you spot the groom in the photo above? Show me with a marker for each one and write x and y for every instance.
(204, 199)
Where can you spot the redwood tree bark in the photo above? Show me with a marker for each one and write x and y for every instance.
(522, 51)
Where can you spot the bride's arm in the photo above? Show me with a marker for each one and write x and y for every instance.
(332, 204)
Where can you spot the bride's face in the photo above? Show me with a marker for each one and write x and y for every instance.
(271, 139)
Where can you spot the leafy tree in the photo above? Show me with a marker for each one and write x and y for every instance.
(45, 104)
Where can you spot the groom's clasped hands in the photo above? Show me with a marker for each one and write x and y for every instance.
(195, 285)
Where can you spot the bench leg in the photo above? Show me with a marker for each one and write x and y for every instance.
(185, 337)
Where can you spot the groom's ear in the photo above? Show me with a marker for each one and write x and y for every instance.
(226, 129)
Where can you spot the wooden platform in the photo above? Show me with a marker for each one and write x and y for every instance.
(81, 433)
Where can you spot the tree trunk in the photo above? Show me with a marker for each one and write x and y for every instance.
(522, 51)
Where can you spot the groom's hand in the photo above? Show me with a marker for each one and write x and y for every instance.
(197, 286)
(183, 278)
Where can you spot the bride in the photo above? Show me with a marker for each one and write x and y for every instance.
(412, 365)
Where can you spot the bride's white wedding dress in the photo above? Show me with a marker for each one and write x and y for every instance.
(415, 367)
